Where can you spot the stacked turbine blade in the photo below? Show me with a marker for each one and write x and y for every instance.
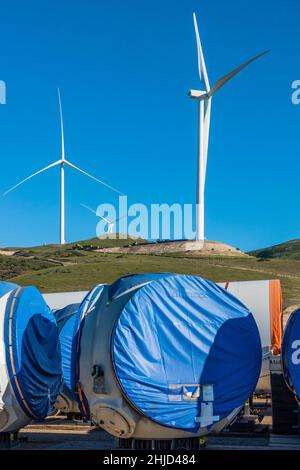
(141, 359)
(30, 368)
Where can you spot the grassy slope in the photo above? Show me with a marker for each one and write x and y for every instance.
(287, 250)
(13, 266)
(54, 268)
(82, 270)
(59, 249)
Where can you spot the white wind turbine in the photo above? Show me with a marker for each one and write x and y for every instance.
(204, 99)
(110, 223)
(61, 163)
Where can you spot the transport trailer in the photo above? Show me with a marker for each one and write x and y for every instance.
(192, 443)
(285, 406)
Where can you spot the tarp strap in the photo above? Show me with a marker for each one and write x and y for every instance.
(15, 381)
(82, 400)
(128, 291)
(207, 417)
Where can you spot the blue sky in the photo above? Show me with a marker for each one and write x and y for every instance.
(124, 69)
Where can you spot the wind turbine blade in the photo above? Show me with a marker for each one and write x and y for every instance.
(201, 62)
(88, 208)
(120, 218)
(61, 127)
(221, 82)
(93, 177)
(103, 218)
(31, 176)
(95, 212)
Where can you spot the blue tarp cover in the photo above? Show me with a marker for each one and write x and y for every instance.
(70, 321)
(34, 353)
(290, 352)
(126, 283)
(63, 314)
(6, 287)
(176, 334)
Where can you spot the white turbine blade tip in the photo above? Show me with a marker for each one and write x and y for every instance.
(31, 176)
(199, 50)
(201, 62)
(8, 191)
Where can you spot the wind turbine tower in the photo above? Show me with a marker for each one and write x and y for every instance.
(110, 223)
(62, 239)
(61, 164)
(204, 97)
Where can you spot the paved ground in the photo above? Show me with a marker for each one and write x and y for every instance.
(66, 440)
(60, 434)
(94, 440)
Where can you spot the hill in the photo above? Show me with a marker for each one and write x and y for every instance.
(287, 250)
(77, 266)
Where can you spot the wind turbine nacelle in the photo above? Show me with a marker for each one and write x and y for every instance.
(197, 94)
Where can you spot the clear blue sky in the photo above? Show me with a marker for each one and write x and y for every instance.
(124, 69)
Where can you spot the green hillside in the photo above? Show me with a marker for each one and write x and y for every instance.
(287, 250)
(76, 266)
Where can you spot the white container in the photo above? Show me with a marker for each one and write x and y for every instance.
(264, 300)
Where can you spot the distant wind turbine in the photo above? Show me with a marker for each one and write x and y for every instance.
(61, 163)
(204, 99)
(110, 223)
